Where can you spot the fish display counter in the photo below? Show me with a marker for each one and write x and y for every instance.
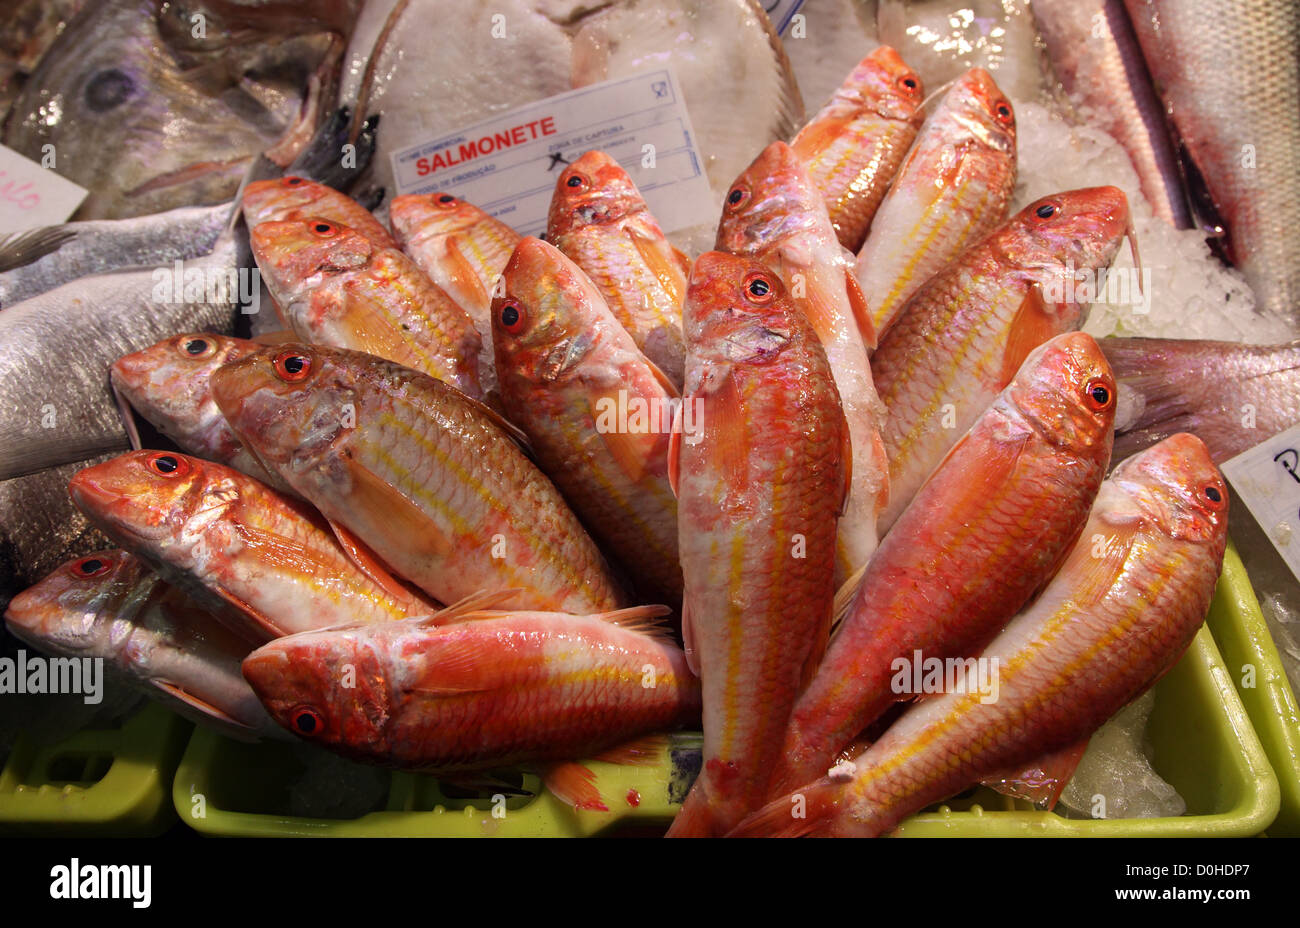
(825, 418)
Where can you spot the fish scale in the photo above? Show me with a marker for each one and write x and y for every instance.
(426, 477)
(1102, 632)
(960, 339)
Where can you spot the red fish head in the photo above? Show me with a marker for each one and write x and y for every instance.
(772, 199)
(170, 380)
(1178, 486)
(298, 253)
(436, 213)
(883, 82)
(983, 109)
(737, 310)
(591, 190)
(1066, 388)
(286, 401)
(1056, 236)
(265, 199)
(328, 687)
(146, 497)
(65, 607)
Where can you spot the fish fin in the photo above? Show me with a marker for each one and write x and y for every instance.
(846, 456)
(458, 670)
(666, 267)
(644, 620)
(777, 819)
(683, 261)
(1100, 573)
(998, 462)
(728, 449)
(819, 135)
(199, 705)
(1033, 325)
(22, 248)
(640, 752)
(514, 432)
(695, 819)
(574, 784)
(1043, 780)
(127, 414)
(845, 596)
(246, 611)
(861, 311)
(675, 450)
(820, 302)
(405, 520)
(463, 271)
(480, 605)
(369, 563)
(688, 639)
(631, 451)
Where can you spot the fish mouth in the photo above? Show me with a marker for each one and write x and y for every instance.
(191, 172)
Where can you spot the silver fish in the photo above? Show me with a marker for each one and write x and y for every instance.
(1229, 75)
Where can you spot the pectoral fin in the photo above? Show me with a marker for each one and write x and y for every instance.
(1041, 781)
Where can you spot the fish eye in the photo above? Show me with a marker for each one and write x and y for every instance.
(1099, 394)
(1003, 111)
(1047, 211)
(908, 81)
(737, 197)
(759, 288)
(576, 180)
(512, 317)
(108, 89)
(91, 567)
(307, 721)
(446, 198)
(168, 465)
(324, 229)
(1214, 496)
(292, 181)
(196, 347)
(292, 366)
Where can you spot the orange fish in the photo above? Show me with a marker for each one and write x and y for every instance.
(293, 197)
(760, 487)
(599, 220)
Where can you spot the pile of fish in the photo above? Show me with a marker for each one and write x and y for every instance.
(845, 490)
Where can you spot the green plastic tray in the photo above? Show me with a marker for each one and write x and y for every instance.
(98, 782)
(1243, 638)
(1203, 742)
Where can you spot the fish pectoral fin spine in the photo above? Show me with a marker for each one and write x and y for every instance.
(199, 705)
(369, 563)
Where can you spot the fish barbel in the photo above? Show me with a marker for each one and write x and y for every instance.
(955, 185)
(963, 336)
(984, 533)
(109, 605)
(264, 564)
(599, 220)
(855, 145)
(463, 250)
(776, 214)
(482, 690)
(334, 286)
(169, 384)
(759, 487)
(1127, 602)
(429, 479)
(566, 368)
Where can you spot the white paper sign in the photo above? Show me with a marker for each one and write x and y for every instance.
(32, 196)
(508, 165)
(1267, 480)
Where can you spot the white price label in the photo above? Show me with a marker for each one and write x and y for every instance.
(508, 165)
(33, 196)
(1267, 480)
